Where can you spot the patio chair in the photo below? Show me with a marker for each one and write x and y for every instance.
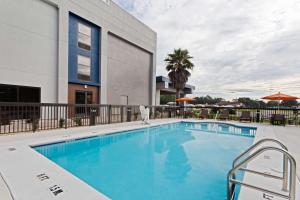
(204, 114)
(188, 114)
(246, 116)
(224, 115)
(144, 114)
(278, 119)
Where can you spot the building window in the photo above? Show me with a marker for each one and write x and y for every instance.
(84, 68)
(82, 98)
(84, 36)
(12, 93)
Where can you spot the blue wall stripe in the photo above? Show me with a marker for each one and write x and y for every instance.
(74, 50)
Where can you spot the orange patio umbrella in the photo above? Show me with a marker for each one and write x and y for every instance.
(280, 97)
(184, 99)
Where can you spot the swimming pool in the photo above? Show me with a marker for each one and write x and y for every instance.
(175, 161)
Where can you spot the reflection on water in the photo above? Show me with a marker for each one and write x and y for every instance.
(223, 128)
(204, 127)
(176, 164)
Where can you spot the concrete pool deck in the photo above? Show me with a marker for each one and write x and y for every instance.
(31, 176)
(271, 162)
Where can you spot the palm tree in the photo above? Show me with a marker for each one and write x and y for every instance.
(178, 63)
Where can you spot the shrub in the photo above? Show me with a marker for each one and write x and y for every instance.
(232, 112)
(61, 123)
(35, 125)
(214, 110)
(136, 114)
(157, 114)
(78, 121)
(196, 114)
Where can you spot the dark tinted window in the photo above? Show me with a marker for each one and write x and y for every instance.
(8, 93)
(12, 93)
(27, 94)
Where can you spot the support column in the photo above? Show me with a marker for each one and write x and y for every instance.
(103, 65)
(157, 102)
(153, 80)
(62, 70)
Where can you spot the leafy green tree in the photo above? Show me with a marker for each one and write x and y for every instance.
(178, 65)
(272, 104)
(262, 104)
(289, 103)
(207, 100)
(249, 103)
(164, 99)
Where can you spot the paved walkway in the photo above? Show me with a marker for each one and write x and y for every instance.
(4, 192)
(33, 164)
(291, 137)
(271, 163)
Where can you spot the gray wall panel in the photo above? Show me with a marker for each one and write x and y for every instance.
(128, 73)
(28, 52)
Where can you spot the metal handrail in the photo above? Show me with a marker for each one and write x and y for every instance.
(255, 145)
(285, 162)
(292, 174)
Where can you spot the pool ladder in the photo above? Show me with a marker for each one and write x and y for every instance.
(288, 175)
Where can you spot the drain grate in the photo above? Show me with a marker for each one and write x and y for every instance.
(12, 149)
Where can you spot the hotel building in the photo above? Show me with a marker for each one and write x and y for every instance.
(75, 51)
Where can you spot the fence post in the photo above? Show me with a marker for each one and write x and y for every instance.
(93, 113)
(128, 114)
(109, 113)
(122, 110)
(66, 116)
(257, 116)
(295, 117)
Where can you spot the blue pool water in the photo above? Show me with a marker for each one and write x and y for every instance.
(180, 161)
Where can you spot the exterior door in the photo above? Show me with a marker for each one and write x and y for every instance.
(83, 98)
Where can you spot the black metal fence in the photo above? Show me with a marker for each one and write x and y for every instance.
(259, 115)
(25, 117)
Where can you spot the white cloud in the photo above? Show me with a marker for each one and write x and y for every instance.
(240, 48)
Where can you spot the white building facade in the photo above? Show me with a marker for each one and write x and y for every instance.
(75, 51)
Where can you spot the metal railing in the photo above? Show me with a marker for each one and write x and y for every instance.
(260, 142)
(259, 115)
(286, 180)
(25, 117)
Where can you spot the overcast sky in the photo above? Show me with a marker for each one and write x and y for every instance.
(240, 48)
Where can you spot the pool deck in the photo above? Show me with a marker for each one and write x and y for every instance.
(271, 163)
(30, 176)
